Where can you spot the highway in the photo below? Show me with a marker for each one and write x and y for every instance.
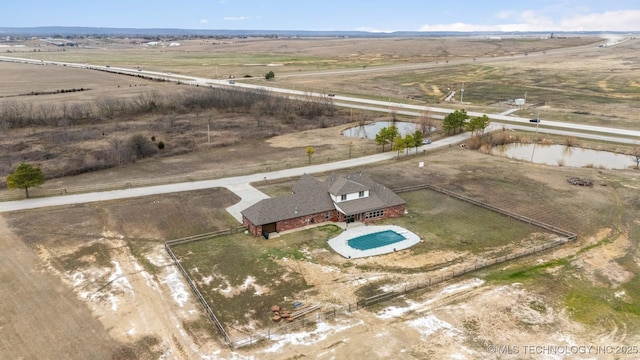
(545, 126)
(250, 195)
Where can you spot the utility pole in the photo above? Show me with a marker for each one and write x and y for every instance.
(462, 92)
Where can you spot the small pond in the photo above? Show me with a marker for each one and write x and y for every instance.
(369, 131)
(562, 155)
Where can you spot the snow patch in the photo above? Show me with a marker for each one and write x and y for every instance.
(396, 311)
(462, 286)
(328, 269)
(118, 281)
(176, 287)
(430, 324)
(250, 281)
(320, 333)
(77, 278)
(207, 280)
(149, 280)
(362, 281)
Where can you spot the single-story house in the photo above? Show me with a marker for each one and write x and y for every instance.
(347, 198)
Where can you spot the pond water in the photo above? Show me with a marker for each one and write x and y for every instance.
(370, 130)
(565, 156)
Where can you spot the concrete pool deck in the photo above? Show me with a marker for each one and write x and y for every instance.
(339, 243)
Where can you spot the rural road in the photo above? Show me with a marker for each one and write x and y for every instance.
(570, 129)
(240, 184)
(237, 184)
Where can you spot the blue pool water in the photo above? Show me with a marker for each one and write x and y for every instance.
(370, 241)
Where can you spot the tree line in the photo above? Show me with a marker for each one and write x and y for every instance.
(16, 114)
(459, 120)
(456, 121)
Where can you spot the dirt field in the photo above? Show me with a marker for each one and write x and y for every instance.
(95, 281)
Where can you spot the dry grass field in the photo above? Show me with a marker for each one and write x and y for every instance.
(94, 280)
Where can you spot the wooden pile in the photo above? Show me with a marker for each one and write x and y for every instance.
(580, 181)
(289, 315)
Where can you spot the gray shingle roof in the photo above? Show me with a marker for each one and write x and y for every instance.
(343, 186)
(380, 197)
(311, 196)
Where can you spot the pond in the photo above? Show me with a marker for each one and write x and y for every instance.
(563, 155)
(369, 131)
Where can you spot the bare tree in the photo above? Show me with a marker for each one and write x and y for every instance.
(351, 145)
(119, 153)
(109, 106)
(140, 146)
(148, 101)
(257, 110)
(80, 112)
(636, 155)
(426, 122)
(15, 114)
(45, 113)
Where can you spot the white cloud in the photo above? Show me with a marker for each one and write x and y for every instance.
(374, 30)
(204, 21)
(530, 20)
(236, 18)
(623, 20)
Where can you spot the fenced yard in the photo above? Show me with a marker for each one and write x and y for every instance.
(444, 274)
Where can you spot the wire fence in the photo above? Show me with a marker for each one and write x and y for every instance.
(398, 289)
(496, 209)
(192, 284)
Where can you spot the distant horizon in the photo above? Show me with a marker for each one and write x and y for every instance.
(90, 30)
(373, 16)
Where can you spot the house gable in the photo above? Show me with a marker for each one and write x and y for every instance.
(376, 196)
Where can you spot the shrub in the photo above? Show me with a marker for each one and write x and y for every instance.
(140, 146)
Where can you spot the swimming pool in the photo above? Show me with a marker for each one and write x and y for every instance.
(374, 240)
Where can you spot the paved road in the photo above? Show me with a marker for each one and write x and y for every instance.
(237, 184)
(571, 129)
(250, 195)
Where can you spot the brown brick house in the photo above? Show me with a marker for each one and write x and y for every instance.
(347, 198)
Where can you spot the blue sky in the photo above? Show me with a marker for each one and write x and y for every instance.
(371, 15)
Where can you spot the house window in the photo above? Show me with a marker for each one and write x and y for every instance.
(374, 214)
(326, 215)
(343, 197)
(361, 194)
